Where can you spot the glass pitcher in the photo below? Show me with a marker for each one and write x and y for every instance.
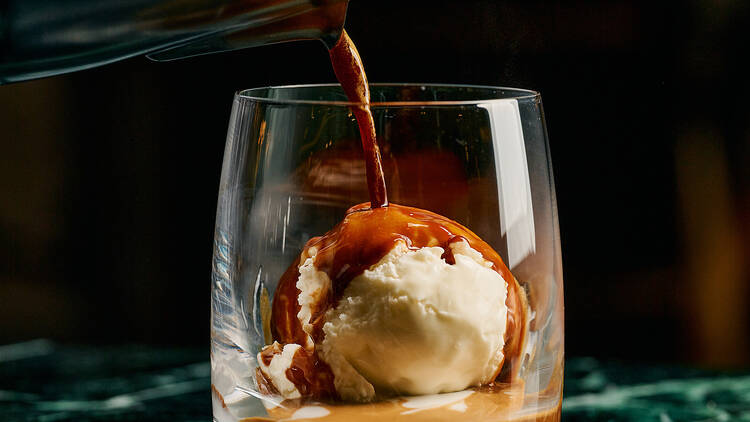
(41, 38)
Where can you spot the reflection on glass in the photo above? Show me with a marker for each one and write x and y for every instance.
(513, 188)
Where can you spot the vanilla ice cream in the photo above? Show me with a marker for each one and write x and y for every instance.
(412, 323)
(275, 371)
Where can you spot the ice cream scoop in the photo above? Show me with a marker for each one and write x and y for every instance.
(414, 324)
(396, 300)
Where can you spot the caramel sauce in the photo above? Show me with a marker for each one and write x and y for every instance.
(215, 391)
(285, 326)
(267, 354)
(311, 376)
(265, 385)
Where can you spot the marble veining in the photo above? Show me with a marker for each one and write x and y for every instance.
(43, 381)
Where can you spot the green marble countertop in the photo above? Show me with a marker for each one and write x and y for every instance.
(43, 381)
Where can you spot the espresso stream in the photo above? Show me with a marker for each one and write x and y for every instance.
(347, 65)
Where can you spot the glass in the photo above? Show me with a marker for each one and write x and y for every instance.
(292, 167)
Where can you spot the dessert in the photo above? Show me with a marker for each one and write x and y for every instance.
(393, 301)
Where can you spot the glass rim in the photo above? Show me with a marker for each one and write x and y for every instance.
(517, 94)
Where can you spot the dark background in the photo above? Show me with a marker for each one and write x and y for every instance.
(109, 177)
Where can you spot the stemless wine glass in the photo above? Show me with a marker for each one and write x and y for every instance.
(293, 165)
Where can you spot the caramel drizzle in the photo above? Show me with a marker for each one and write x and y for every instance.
(310, 375)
